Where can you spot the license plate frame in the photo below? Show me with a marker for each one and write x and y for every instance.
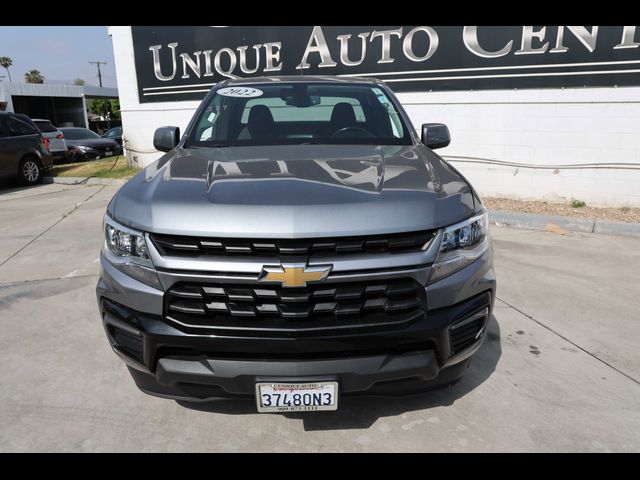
(282, 400)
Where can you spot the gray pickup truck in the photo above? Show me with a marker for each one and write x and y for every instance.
(297, 244)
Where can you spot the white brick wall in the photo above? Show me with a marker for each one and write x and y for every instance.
(542, 127)
(538, 126)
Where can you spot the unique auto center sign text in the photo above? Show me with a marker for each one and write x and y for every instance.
(183, 63)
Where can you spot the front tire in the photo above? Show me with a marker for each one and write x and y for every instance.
(30, 171)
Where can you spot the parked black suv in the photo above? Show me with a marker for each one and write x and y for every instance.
(24, 152)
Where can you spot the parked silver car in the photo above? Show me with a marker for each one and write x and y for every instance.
(57, 146)
(298, 243)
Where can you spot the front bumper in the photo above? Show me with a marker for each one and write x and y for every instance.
(208, 379)
(92, 153)
(167, 362)
(59, 154)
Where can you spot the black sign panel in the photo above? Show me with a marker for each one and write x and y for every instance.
(183, 63)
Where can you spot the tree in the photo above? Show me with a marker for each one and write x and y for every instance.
(6, 62)
(115, 109)
(33, 76)
(79, 82)
(109, 109)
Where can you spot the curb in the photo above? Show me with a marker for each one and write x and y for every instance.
(533, 221)
(84, 181)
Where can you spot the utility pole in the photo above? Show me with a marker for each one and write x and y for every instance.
(99, 74)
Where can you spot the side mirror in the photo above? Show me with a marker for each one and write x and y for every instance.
(166, 138)
(435, 135)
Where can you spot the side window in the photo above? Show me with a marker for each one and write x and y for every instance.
(45, 127)
(17, 126)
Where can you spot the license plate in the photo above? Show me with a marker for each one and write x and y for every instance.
(107, 153)
(296, 397)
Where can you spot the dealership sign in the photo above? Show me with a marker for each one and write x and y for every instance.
(183, 63)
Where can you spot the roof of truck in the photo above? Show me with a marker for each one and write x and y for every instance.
(303, 78)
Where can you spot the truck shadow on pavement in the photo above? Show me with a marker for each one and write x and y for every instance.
(362, 412)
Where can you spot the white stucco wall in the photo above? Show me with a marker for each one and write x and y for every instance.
(544, 127)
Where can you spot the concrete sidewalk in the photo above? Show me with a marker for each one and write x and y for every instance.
(560, 370)
(533, 221)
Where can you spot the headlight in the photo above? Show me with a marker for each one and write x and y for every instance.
(462, 244)
(126, 249)
(82, 148)
(124, 243)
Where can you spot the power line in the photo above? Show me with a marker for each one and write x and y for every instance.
(99, 73)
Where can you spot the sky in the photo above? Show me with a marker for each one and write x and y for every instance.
(60, 53)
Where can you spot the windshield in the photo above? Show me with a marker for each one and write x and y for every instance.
(114, 132)
(299, 113)
(78, 133)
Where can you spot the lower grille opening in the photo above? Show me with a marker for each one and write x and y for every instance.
(467, 331)
(268, 309)
(193, 353)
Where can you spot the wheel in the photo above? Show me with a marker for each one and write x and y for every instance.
(29, 171)
(75, 157)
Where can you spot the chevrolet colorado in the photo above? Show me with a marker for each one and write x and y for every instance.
(299, 243)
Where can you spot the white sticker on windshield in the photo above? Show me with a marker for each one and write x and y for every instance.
(239, 92)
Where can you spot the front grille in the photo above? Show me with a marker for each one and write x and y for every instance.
(272, 309)
(181, 246)
(466, 332)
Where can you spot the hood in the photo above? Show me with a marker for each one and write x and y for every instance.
(93, 143)
(294, 191)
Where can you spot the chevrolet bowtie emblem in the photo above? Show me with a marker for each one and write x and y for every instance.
(295, 275)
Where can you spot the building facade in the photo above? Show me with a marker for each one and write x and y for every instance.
(63, 105)
(546, 112)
